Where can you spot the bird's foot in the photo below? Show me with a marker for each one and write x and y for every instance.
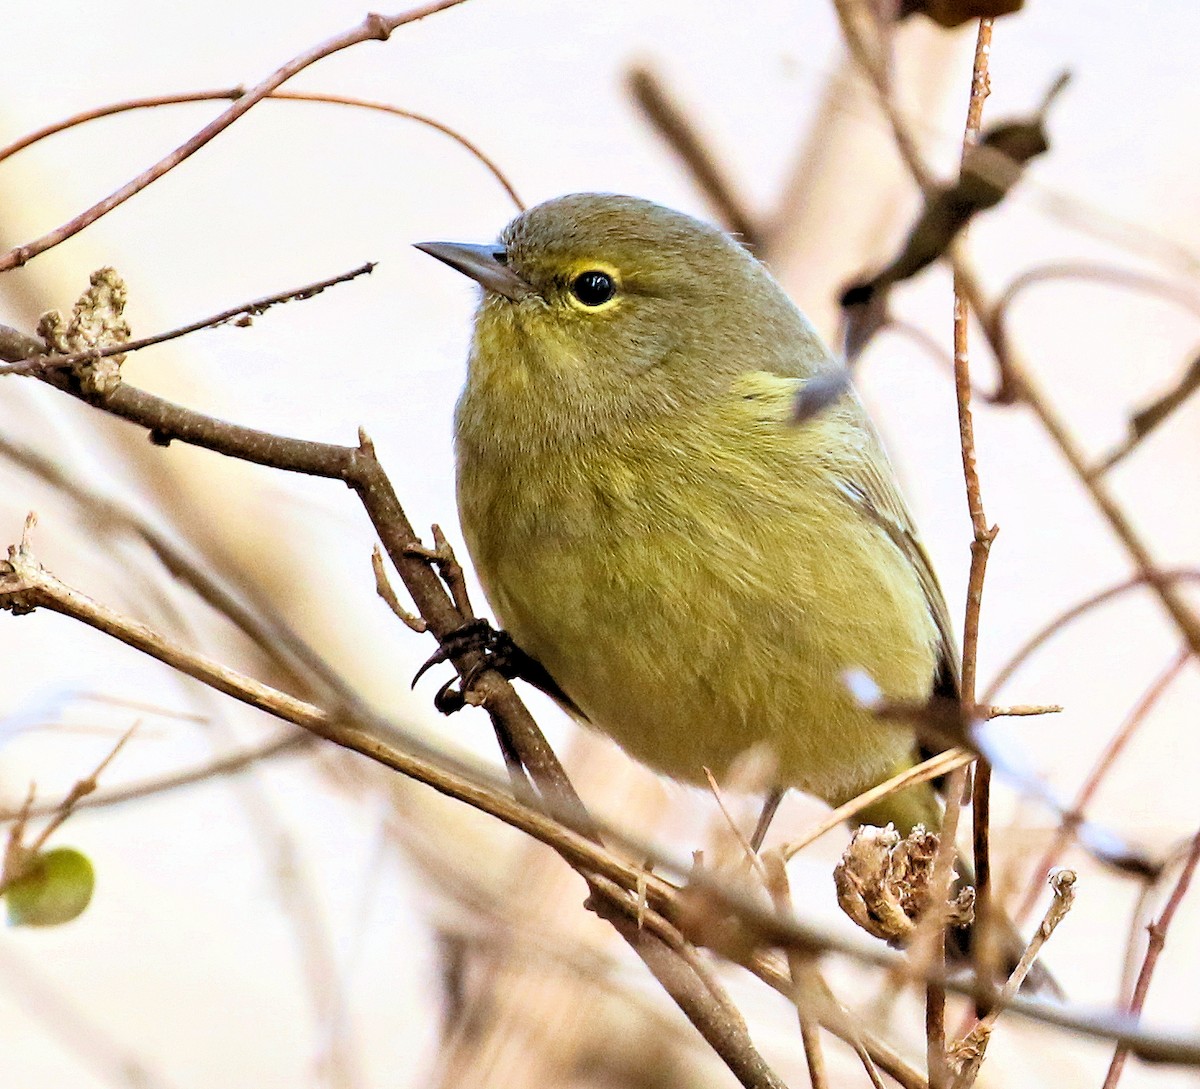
(496, 651)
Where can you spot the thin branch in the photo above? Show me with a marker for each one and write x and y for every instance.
(968, 1053)
(1154, 947)
(1022, 710)
(1147, 420)
(234, 93)
(241, 314)
(232, 764)
(1103, 765)
(933, 768)
(982, 534)
(1128, 279)
(670, 122)
(374, 27)
(1069, 616)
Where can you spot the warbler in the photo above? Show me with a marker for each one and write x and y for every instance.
(696, 571)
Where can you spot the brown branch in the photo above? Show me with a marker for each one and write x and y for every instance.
(234, 93)
(374, 27)
(1006, 392)
(243, 313)
(933, 768)
(670, 122)
(967, 1055)
(982, 534)
(1064, 619)
(1146, 420)
(1103, 765)
(232, 764)
(1154, 947)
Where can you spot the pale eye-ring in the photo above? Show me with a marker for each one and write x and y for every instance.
(594, 287)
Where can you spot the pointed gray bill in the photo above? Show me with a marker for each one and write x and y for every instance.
(486, 265)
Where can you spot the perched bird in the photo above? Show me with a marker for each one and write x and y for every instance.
(696, 571)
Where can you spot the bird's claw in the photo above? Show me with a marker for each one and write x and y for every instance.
(498, 651)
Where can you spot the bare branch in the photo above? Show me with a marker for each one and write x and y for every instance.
(234, 93)
(374, 27)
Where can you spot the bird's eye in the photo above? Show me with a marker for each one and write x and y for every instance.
(593, 288)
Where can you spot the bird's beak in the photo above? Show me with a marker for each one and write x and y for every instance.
(486, 265)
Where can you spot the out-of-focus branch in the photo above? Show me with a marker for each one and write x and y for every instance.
(1146, 420)
(1127, 279)
(1065, 619)
(1104, 764)
(234, 93)
(1154, 947)
(680, 135)
(374, 27)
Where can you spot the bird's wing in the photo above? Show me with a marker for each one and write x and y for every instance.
(866, 479)
(869, 485)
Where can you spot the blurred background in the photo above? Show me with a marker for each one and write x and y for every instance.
(314, 921)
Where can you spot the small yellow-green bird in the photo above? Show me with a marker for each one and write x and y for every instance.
(697, 572)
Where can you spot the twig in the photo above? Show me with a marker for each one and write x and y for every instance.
(213, 769)
(1154, 947)
(384, 589)
(234, 93)
(374, 27)
(1069, 616)
(1103, 765)
(927, 948)
(1057, 272)
(1022, 710)
(933, 768)
(242, 314)
(748, 851)
(77, 794)
(982, 534)
(1145, 421)
(967, 1055)
(670, 122)
(872, 61)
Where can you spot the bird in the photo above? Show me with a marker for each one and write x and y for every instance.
(697, 572)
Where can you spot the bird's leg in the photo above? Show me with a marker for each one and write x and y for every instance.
(770, 806)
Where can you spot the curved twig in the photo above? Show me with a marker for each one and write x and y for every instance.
(1035, 641)
(373, 27)
(234, 93)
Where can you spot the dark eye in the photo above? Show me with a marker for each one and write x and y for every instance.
(593, 288)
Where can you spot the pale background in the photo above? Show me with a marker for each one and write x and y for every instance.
(188, 963)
